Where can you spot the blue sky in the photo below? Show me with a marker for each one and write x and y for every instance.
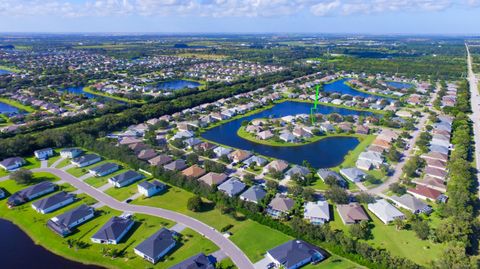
(319, 16)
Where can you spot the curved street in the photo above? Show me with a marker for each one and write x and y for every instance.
(229, 248)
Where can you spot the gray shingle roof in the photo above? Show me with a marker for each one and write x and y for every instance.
(53, 200)
(199, 261)
(232, 187)
(157, 243)
(113, 229)
(294, 252)
(22, 196)
(102, 168)
(254, 193)
(126, 176)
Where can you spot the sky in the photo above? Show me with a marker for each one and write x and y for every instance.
(242, 16)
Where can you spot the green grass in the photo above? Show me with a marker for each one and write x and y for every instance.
(351, 158)
(175, 199)
(99, 93)
(334, 262)
(402, 243)
(100, 181)
(17, 104)
(56, 156)
(33, 224)
(64, 163)
(10, 68)
(124, 193)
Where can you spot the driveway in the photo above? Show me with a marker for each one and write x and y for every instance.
(230, 249)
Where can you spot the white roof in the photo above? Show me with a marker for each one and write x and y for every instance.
(385, 211)
(318, 209)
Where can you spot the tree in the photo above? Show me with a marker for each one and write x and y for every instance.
(393, 155)
(421, 228)
(360, 230)
(337, 195)
(248, 178)
(224, 159)
(195, 203)
(295, 190)
(454, 256)
(308, 194)
(397, 188)
(271, 185)
(399, 223)
(22, 176)
(192, 159)
(365, 198)
(331, 181)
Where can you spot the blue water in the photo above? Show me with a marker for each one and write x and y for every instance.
(19, 251)
(177, 84)
(4, 72)
(79, 90)
(7, 109)
(324, 153)
(399, 85)
(339, 86)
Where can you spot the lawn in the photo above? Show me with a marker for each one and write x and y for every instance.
(80, 171)
(124, 193)
(17, 104)
(34, 224)
(100, 181)
(175, 199)
(402, 243)
(54, 158)
(63, 163)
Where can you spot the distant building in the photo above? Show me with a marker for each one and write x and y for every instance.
(13, 163)
(104, 169)
(43, 154)
(70, 153)
(86, 160)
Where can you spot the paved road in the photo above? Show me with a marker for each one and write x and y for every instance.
(230, 249)
(399, 167)
(475, 116)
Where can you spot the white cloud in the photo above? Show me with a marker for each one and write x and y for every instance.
(222, 8)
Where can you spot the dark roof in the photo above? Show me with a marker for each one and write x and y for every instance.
(61, 223)
(22, 196)
(86, 158)
(102, 168)
(199, 261)
(113, 229)
(126, 176)
(11, 161)
(53, 200)
(254, 193)
(157, 243)
(176, 165)
(152, 184)
(295, 251)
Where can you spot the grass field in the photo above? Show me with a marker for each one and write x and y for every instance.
(402, 243)
(17, 104)
(100, 181)
(124, 193)
(265, 238)
(33, 223)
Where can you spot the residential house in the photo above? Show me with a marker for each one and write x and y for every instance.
(70, 153)
(414, 205)
(433, 183)
(113, 231)
(104, 169)
(325, 173)
(199, 261)
(160, 160)
(362, 129)
(426, 193)
(436, 173)
(264, 135)
(317, 212)
(213, 179)
(374, 158)
(194, 171)
(43, 154)
(150, 188)
(12, 163)
(176, 165)
(125, 178)
(280, 206)
(220, 151)
(232, 187)
(295, 254)
(288, 137)
(30, 193)
(146, 154)
(435, 156)
(254, 194)
(276, 165)
(86, 160)
(156, 246)
(352, 213)
(353, 174)
(239, 155)
(192, 142)
(298, 170)
(385, 211)
(257, 160)
(53, 202)
(64, 223)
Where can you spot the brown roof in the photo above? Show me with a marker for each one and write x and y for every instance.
(240, 155)
(361, 129)
(194, 171)
(436, 163)
(146, 154)
(381, 143)
(435, 155)
(376, 149)
(425, 192)
(435, 172)
(213, 179)
(282, 204)
(433, 183)
(352, 213)
(160, 160)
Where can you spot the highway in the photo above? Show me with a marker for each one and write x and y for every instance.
(229, 248)
(475, 116)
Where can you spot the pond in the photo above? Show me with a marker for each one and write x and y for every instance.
(4, 72)
(399, 85)
(8, 109)
(177, 84)
(324, 153)
(339, 86)
(19, 251)
(79, 90)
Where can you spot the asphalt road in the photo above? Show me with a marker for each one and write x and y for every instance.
(475, 116)
(230, 249)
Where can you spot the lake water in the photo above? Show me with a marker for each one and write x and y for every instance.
(177, 84)
(399, 85)
(324, 153)
(19, 251)
(79, 90)
(339, 86)
(4, 72)
(7, 109)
